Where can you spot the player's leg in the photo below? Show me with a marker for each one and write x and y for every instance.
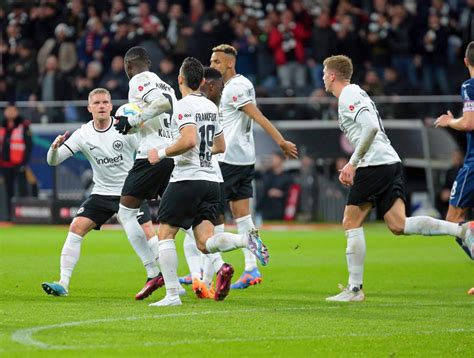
(354, 216)
(70, 254)
(458, 215)
(169, 265)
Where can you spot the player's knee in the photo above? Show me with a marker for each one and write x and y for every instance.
(349, 223)
(77, 228)
(202, 247)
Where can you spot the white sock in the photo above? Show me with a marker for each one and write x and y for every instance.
(153, 245)
(212, 262)
(137, 238)
(355, 255)
(225, 241)
(192, 254)
(69, 256)
(429, 226)
(169, 266)
(244, 224)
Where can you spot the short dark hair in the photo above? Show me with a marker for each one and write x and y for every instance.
(193, 72)
(137, 54)
(211, 74)
(470, 53)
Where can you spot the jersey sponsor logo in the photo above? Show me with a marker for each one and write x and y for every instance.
(351, 107)
(146, 84)
(234, 98)
(114, 160)
(140, 88)
(180, 116)
(117, 145)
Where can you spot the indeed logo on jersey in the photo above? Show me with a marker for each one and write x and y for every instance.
(105, 161)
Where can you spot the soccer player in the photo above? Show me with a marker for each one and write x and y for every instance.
(212, 89)
(192, 197)
(374, 175)
(462, 192)
(238, 110)
(111, 157)
(145, 181)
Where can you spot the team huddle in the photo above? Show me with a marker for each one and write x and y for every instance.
(198, 154)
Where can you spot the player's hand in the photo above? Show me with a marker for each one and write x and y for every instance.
(346, 176)
(59, 140)
(122, 124)
(289, 149)
(153, 156)
(443, 120)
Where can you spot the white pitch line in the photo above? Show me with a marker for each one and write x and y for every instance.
(25, 336)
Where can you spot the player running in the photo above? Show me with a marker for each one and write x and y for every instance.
(238, 110)
(462, 192)
(192, 197)
(374, 174)
(111, 157)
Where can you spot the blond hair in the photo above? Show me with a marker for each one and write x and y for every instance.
(98, 91)
(341, 64)
(227, 49)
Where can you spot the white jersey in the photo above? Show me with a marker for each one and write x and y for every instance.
(156, 132)
(237, 126)
(110, 153)
(197, 163)
(353, 101)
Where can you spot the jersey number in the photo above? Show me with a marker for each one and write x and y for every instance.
(169, 111)
(207, 141)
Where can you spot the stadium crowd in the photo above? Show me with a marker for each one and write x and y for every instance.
(60, 50)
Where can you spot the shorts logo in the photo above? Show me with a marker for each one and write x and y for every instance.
(180, 116)
(351, 107)
(140, 88)
(118, 145)
(80, 211)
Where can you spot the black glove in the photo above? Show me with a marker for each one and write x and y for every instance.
(122, 125)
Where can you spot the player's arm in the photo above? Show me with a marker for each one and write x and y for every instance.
(219, 144)
(58, 153)
(186, 142)
(287, 147)
(464, 123)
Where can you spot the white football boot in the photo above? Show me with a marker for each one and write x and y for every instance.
(167, 301)
(347, 295)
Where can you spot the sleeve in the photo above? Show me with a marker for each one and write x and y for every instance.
(219, 129)
(73, 143)
(240, 95)
(352, 105)
(183, 116)
(66, 150)
(468, 98)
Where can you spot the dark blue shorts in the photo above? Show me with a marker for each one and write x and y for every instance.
(462, 192)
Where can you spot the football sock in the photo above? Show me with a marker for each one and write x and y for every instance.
(244, 224)
(137, 238)
(153, 245)
(69, 256)
(429, 226)
(212, 262)
(225, 241)
(192, 254)
(355, 255)
(169, 266)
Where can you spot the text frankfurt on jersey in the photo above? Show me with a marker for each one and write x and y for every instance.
(210, 117)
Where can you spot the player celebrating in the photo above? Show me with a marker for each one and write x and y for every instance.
(145, 181)
(238, 110)
(192, 197)
(111, 157)
(374, 174)
(462, 192)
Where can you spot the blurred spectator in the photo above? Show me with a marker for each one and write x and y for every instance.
(276, 184)
(23, 72)
(221, 19)
(318, 108)
(15, 151)
(378, 42)
(169, 73)
(245, 42)
(266, 69)
(92, 45)
(178, 32)
(76, 17)
(287, 42)
(457, 159)
(322, 44)
(434, 57)
(53, 86)
(61, 47)
(349, 43)
(466, 23)
(122, 40)
(372, 84)
(115, 79)
(306, 179)
(45, 19)
(201, 41)
(162, 10)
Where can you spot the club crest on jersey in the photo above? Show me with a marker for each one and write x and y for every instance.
(117, 145)
(140, 88)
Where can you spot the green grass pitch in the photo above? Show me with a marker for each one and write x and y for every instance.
(415, 286)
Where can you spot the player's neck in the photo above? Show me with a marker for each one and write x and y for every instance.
(337, 88)
(101, 124)
(186, 90)
(229, 74)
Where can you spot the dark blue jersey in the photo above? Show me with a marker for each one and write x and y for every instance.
(467, 94)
